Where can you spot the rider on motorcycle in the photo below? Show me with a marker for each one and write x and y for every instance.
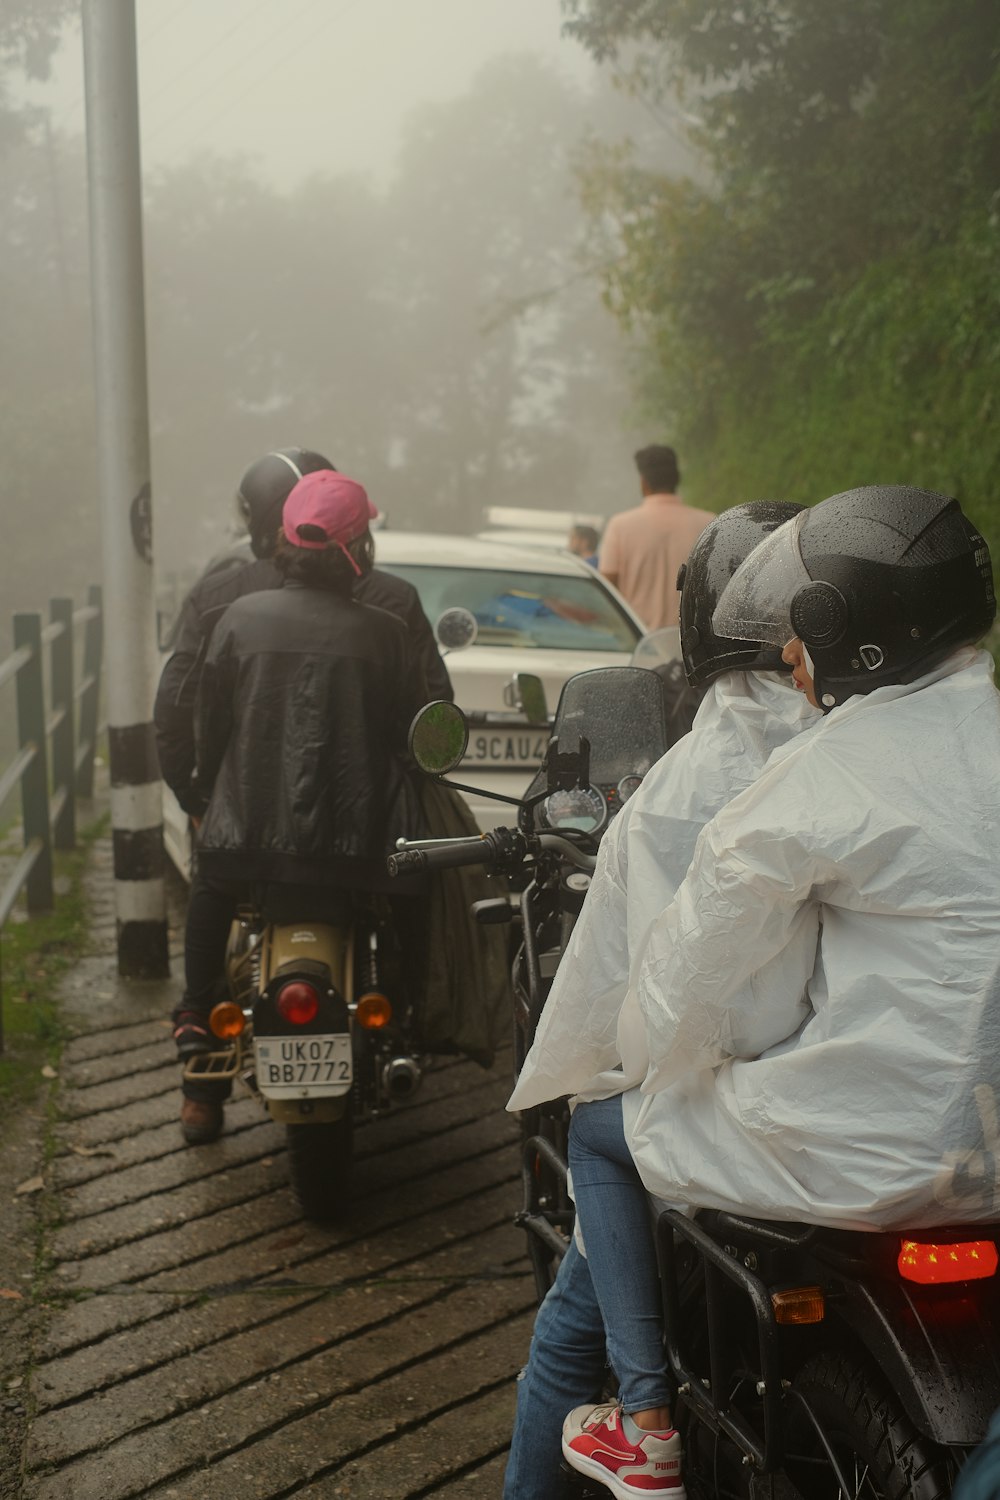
(302, 713)
(749, 708)
(246, 569)
(876, 1105)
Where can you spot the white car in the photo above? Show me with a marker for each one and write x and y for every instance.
(546, 613)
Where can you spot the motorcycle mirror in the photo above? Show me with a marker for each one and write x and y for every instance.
(456, 628)
(658, 648)
(529, 692)
(627, 787)
(438, 737)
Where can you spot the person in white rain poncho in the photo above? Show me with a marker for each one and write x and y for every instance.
(750, 707)
(878, 1109)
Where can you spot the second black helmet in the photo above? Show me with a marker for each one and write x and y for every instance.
(715, 556)
(266, 486)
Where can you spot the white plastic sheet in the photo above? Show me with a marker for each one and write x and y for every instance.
(643, 859)
(880, 1109)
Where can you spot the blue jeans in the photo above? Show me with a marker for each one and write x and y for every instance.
(980, 1479)
(613, 1211)
(616, 1287)
(566, 1368)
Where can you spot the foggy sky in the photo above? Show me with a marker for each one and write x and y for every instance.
(305, 86)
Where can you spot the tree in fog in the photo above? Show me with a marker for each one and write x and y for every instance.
(29, 34)
(501, 343)
(265, 329)
(821, 308)
(444, 340)
(46, 416)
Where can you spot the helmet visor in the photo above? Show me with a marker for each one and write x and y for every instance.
(756, 602)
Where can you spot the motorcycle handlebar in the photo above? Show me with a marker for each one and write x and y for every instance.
(444, 857)
(567, 850)
(504, 846)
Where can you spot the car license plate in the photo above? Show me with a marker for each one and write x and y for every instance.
(494, 749)
(303, 1067)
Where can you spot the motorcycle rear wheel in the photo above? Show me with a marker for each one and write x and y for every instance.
(880, 1453)
(320, 1160)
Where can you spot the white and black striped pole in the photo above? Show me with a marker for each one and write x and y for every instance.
(116, 275)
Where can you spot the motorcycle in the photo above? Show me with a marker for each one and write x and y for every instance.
(809, 1363)
(310, 1029)
(318, 1020)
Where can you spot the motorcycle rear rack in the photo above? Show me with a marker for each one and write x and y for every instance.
(216, 1066)
(709, 1398)
(548, 1230)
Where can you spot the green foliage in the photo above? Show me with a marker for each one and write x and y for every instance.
(897, 382)
(823, 310)
(34, 954)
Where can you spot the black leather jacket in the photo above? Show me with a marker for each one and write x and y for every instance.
(302, 713)
(229, 578)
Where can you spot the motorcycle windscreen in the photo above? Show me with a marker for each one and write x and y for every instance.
(622, 711)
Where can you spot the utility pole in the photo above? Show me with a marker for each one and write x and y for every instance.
(116, 273)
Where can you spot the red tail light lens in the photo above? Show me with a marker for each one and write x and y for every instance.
(298, 1003)
(935, 1265)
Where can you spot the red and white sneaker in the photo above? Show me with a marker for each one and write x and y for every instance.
(595, 1444)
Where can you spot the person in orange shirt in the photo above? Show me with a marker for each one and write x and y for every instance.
(644, 548)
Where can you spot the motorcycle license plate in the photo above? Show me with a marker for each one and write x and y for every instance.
(490, 749)
(307, 1067)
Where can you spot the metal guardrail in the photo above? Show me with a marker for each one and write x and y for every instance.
(70, 727)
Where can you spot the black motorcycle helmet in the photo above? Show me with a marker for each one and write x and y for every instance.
(266, 486)
(880, 584)
(716, 555)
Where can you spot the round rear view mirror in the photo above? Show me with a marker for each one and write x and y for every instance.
(530, 691)
(627, 787)
(456, 628)
(438, 737)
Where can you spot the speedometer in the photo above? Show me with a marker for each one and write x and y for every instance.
(583, 810)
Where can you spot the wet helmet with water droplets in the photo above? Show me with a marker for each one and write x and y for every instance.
(715, 556)
(880, 584)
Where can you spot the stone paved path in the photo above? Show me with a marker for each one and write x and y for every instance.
(204, 1341)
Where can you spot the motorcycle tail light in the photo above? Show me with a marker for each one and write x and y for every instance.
(799, 1304)
(298, 1003)
(227, 1020)
(936, 1265)
(374, 1011)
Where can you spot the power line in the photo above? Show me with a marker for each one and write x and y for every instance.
(202, 56)
(167, 20)
(275, 62)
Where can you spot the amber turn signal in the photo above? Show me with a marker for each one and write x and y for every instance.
(227, 1020)
(799, 1304)
(936, 1265)
(374, 1011)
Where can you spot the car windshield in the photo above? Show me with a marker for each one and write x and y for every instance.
(551, 611)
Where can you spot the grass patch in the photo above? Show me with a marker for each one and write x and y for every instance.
(33, 955)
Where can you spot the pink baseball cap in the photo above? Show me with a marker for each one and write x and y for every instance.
(327, 507)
